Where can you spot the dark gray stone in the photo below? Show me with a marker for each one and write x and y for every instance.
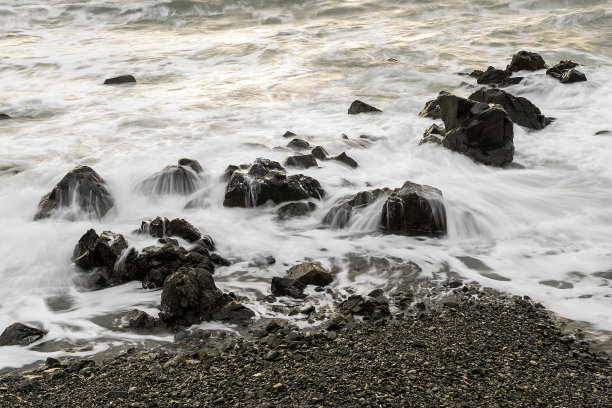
(361, 107)
(18, 334)
(123, 79)
(310, 273)
(297, 209)
(344, 158)
(493, 76)
(287, 287)
(526, 61)
(320, 153)
(180, 179)
(342, 211)
(301, 161)
(298, 144)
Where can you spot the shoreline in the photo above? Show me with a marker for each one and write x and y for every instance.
(452, 345)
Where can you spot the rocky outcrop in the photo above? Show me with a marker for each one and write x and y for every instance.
(266, 180)
(122, 79)
(494, 76)
(521, 110)
(178, 227)
(433, 134)
(342, 211)
(301, 161)
(361, 107)
(481, 131)
(310, 273)
(189, 296)
(180, 179)
(415, 209)
(526, 61)
(297, 209)
(95, 250)
(432, 108)
(81, 189)
(18, 334)
(566, 72)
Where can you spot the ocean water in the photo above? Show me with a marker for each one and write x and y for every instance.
(221, 81)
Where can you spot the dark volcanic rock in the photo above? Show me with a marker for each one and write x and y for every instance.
(82, 188)
(4, 116)
(525, 60)
(415, 209)
(344, 158)
(302, 161)
(287, 287)
(310, 273)
(565, 72)
(297, 209)
(99, 251)
(572, 75)
(521, 110)
(298, 144)
(432, 108)
(340, 214)
(320, 153)
(18, 334)
(137, 319)
(175, 179)
(361, 107)
(190, 296)
(433, 134)
(358, 305)
(481, 131)
(266, 180)
(493, 76)
(123, 79)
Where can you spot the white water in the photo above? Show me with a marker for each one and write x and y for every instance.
(215, 75)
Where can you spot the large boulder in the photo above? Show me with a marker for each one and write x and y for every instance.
(521, 110)
(267, 180)
(95, 250)
(310, 273)
(18, 334)
(361, 107)
(479, 130)
(526, 61)
(189, 296)
(81, 189)
(415, 209)
(180, 179)
(566, 72)
(494, 76)
(342, 211)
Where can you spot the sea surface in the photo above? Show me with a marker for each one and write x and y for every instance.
(221, 81)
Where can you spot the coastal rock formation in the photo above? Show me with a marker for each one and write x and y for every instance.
(481, 131)
(361, 107)
(310, 273)
(297, 209)
(81, 189)
(178, 227)
(174, 179)
(267, 180)
(340, 214)
(566, 72)
(321, 154)
(301, 161)
(122, 79)
(95, 250)
(433, 134)
(189, 296)
(526, 61)
(415, 209)
(521, 110)
(18, 334)
(432, 108)
(494, 76)
(287, 287)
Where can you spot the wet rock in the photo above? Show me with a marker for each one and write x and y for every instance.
(572, 75)
(481, 131)
(493, 76)
(219, 260)
(287, 287)
(301, 161)
(432, 108)
(99, 251)
(266, 180)
(137, 319)
(234, 312)
(521, 110)
(298, 144)
(81, 188)
(433, 134)
(4, 116)
(344, 158)
(603, 132)
(342, 211)
(229, 170)
(361, 107)
(320, 153)
(18, 334)
(122, 79)
(358, 305)
(189, 296)
(310, 273)
(415, 209)
(289, 134)
(297, 209)
(262, 261)
(179, 179)
(561, 71)
(178, 227)
(526, 61)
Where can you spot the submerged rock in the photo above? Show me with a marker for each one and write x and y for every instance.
(289, 134)
(297, 209)
(298, 144)
(301, 161)
(320, 153)
(189, 296)
(481, 131)
(267, 180)
(565, 72)
(494, 76)
(175, 179)
(344, 158)
(342, 211)
(361, 107)
(81, 189)
(526, 61)
(18, 334)
(521, 110)
(4, 116)
(415, 209)
(122, 79)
